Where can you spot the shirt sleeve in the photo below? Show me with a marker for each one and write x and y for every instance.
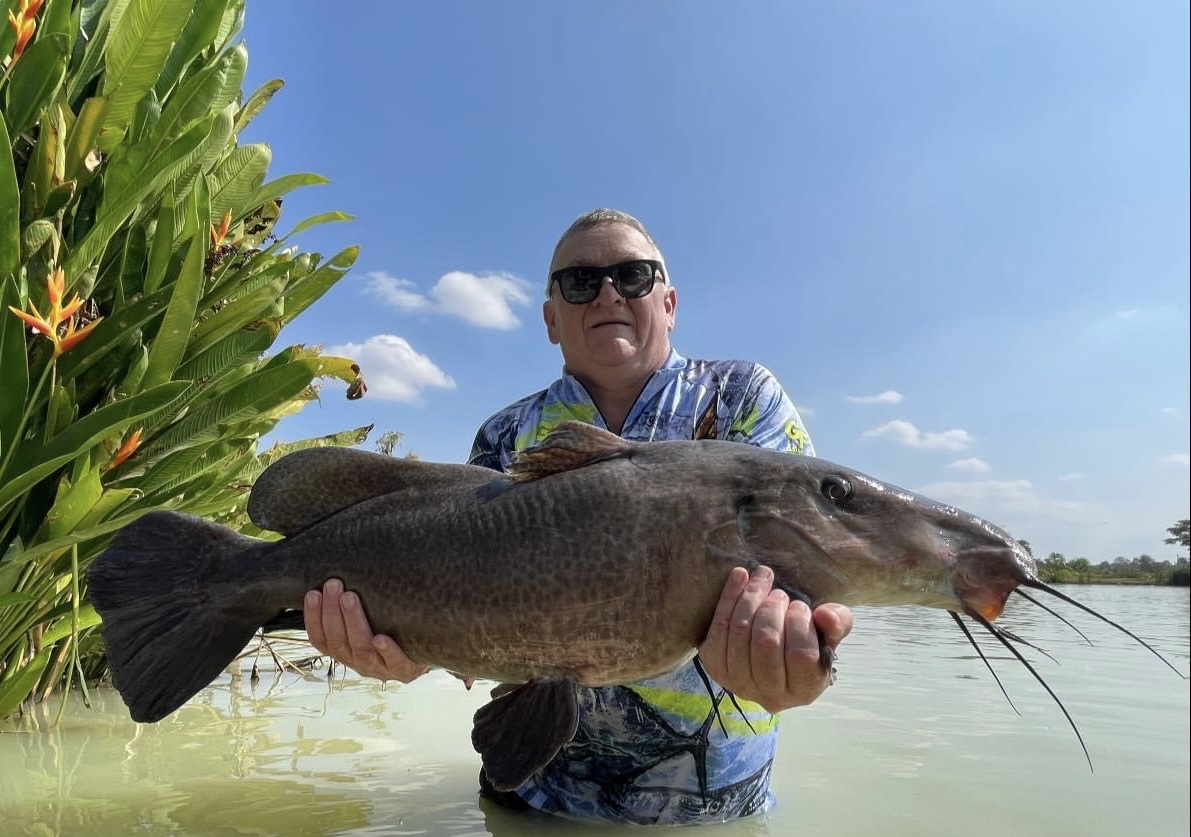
(484, 450)
(767, 418)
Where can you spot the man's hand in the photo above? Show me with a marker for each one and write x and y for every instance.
(763, 647)
(338, 627)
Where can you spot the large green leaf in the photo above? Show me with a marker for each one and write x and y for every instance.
(234, 316)
(162, 247)
(14, 369)
(32, 463)
(10, 210)
(306, 291)
(17, 688)
(137, 49)
(256, 103)
(284, 185)
(321, 218)
(238, 348)
(81, 140)
(198, 97)
(170, 342)
(116, 208)
(197, 35)
(113, 332)
(237, 179)
(72, 503)
(249, 398)
(35, 79)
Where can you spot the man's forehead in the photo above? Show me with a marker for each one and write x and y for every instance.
(603, 244)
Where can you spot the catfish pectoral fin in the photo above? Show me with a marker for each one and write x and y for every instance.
(518, 733)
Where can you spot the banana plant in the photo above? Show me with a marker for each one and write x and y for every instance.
(143, 283)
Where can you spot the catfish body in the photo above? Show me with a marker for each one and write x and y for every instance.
(595, 561)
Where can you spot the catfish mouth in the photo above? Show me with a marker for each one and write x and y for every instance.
(985, 576)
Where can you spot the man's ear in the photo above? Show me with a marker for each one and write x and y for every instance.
(671, 303)
(548, 314)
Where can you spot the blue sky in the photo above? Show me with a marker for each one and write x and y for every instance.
(956, 232)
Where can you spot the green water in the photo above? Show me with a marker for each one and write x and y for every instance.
(915, 739)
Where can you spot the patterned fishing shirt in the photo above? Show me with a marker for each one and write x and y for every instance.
(653, 752)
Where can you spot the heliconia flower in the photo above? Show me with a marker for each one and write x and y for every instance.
(73, 337)
(34, 320)
(23, 25)
(218, 234)
(50, 325)
(126, 450)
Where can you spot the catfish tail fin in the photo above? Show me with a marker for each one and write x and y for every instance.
(167, 630)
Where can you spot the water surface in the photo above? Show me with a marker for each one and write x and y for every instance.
(915, 739)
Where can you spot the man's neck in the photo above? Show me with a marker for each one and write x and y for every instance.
(614, 395)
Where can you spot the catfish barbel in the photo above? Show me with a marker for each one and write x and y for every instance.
(594, 561)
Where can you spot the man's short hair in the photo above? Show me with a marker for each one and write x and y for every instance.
(596, 218)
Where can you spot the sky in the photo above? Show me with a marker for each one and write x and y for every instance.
(957, 233)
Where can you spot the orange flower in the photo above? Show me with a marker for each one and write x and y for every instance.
(23, 25)
(218, 234)
(72, 337)
(36, 322)
(126, 450)
(64, 339)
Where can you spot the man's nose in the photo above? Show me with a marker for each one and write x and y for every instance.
(608, 293)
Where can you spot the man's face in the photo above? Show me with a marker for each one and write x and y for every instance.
(610, 333)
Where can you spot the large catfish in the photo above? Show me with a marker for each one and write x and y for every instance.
(595, 561)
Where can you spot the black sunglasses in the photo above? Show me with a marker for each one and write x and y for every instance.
(581, 284)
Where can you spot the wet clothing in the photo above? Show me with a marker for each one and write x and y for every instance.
(653, 752)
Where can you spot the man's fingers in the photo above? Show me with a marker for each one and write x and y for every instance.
(768, 643)
(715, 647)
(334, 631)
(359, 632)
(740, 631)
(312, 613)
(396, 664)
(805, 676)
(834, 621)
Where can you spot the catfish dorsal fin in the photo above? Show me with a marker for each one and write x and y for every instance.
(307, 486)
(571, 445)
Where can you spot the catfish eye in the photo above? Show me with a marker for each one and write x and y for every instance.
(835, 488)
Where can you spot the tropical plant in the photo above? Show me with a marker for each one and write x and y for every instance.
(141, 286)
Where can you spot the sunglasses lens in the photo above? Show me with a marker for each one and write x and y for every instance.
(580, 285)
(634, 279)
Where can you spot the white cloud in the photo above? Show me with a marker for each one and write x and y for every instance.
(889, 396)
(1176, 459)
(1129, 314)
(972, 466)
(393, 370)
(907, 434)
(1074, 475)
(805, 412)
(393, 291)
(1170, 411)
(486, 301)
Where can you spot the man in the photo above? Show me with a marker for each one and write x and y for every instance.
(673, 749)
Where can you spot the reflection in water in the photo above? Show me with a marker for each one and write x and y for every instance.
(915, 739)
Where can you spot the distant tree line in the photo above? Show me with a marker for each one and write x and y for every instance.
(1120, 570)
